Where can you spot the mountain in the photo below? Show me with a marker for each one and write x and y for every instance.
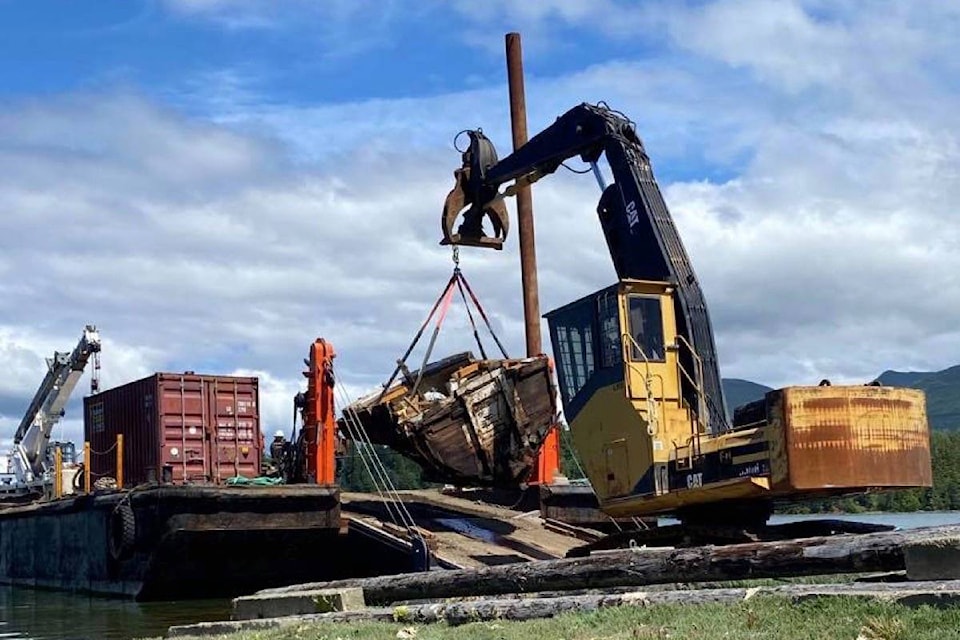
(942, 389)
(739, 392)
(903, 378)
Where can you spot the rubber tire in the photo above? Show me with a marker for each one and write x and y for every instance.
(78, 480)
(122, 533)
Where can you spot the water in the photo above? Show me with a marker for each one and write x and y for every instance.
(47, 615)
(899, 520)
(43, 615)
(461, 525)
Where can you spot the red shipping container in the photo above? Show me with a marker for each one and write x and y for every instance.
(180, 428)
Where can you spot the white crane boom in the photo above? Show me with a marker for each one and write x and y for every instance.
(28, 458)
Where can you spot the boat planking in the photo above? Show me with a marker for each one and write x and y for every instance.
(465, 421)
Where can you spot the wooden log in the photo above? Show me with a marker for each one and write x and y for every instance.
(809, 556)
(911, 594)
(458, 613)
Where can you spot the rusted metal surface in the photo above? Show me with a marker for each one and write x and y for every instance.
(548, 463)
(179, 428)
(856, 437)
(471, 422)
(528, 249)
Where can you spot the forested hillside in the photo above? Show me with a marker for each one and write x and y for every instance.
(942, 389)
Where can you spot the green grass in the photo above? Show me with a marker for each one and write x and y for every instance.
(760, 619)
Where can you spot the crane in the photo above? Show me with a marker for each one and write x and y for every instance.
(30, 461)
(637, 362)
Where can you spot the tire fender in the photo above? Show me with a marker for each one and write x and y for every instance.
(121, 532)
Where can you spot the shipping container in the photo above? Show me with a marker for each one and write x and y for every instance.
(177, 427)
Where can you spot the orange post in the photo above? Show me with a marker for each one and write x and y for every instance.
(119, 461)
(86, 467)
(319, 417)
(57, 472)
(548, 462)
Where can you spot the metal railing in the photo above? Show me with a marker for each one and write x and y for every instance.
(653, 425)
(88, 454)
(697, 425)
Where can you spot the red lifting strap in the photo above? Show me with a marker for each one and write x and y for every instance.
(443, 304)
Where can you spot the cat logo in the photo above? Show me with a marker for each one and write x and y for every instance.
(632, 216)
(694, 480)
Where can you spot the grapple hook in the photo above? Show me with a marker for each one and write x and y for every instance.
(475, 200)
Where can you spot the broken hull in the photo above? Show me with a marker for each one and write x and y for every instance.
(471, 422)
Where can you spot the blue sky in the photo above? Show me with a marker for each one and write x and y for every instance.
(217, 183)
(212, 58)
(298, 51)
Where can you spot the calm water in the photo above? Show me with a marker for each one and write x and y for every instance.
(43, 615)
(47, 615)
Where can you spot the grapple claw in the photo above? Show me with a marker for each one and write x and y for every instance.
(474, 200)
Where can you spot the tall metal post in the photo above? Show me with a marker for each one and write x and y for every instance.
(528, 249)
(549, 459)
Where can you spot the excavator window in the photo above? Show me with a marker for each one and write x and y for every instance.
(573, 339)
(646, 327)
(609, 316)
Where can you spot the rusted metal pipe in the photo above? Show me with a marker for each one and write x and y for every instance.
(528, 251)
(548, 461)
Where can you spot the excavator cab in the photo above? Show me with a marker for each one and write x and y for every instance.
(630, 396)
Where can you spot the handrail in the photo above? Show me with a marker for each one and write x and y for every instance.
(698, 382)
(693, 442)
(653, 426)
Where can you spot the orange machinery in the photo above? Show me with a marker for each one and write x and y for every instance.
(318, 414)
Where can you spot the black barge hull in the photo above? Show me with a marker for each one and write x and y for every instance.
(173, 542)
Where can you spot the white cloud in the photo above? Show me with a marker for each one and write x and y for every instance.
(827, 248)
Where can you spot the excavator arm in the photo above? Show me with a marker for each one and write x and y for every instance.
(641, 237)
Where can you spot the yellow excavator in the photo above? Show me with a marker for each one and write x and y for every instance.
(637, 365)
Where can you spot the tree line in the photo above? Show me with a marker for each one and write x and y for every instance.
(943, 496)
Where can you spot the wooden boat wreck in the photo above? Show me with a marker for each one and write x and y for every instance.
(469, 422)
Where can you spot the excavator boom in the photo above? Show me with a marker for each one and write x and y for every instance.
(641, 237)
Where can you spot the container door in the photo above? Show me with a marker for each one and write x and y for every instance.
(183, 420)
(235, 446)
